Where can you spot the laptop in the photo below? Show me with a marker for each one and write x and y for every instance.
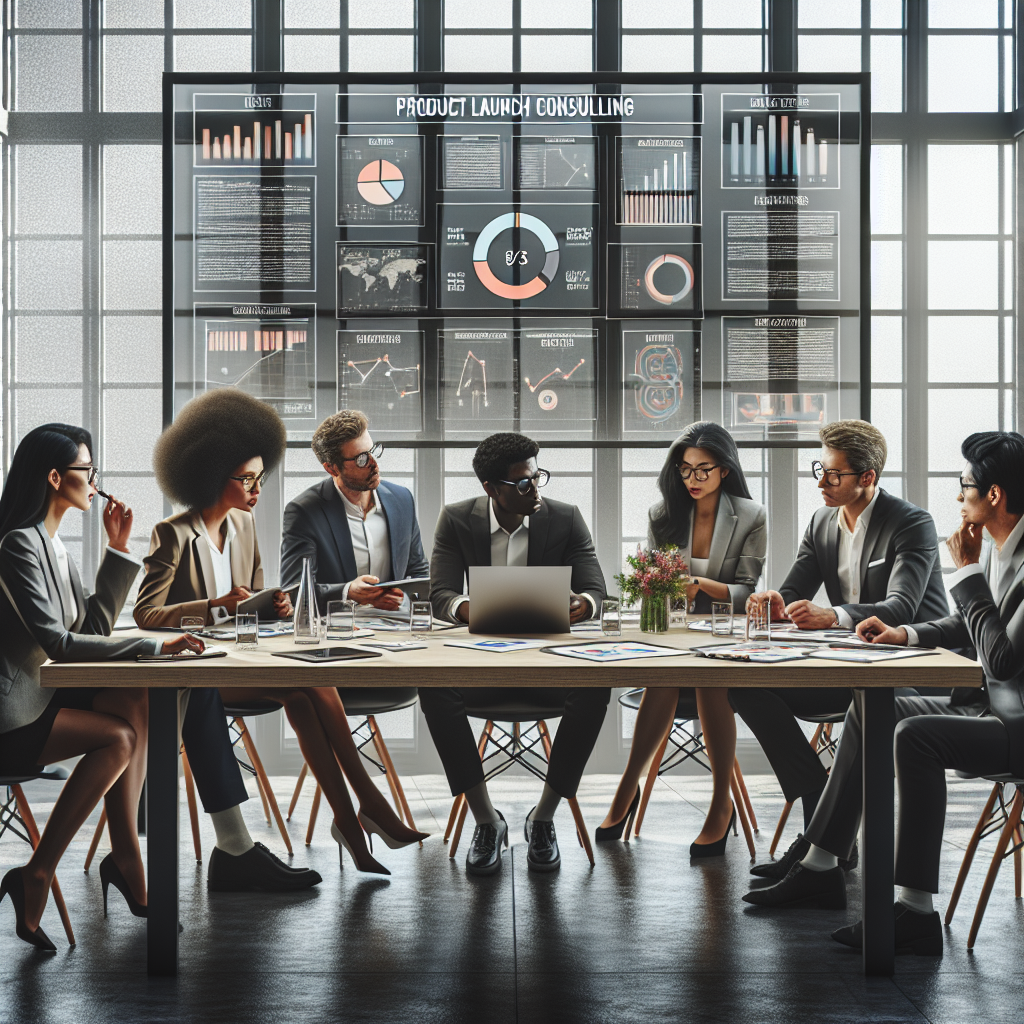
(519, 598)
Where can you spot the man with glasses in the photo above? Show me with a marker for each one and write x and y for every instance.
(510, 524)
(875, 555)
(355, 529)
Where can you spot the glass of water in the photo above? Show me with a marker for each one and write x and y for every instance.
(192, 623)
(247, 630)
(340, 620)
(421, 618)
(721, 618)
(611, 617)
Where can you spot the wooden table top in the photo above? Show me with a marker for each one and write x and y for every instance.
(442, 665)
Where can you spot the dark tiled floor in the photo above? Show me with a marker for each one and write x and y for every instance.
(645, 936)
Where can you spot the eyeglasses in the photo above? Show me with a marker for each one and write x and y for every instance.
(700, 474)
(832, 476)
(250, 480)
(93, 472)
(964, 483)
(362, 460)
(539, 479)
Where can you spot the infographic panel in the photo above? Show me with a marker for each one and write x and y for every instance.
(473, 162)
(477, 381)
(660, 381)
(380, 180)
(556, 162)
(655, 278)
(381, 373)
(557, 386)
(658, 181)
(254, 131)
(540, 256)
(381, 278)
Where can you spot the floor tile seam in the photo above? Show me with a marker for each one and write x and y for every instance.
(425, 801)
(910, 999)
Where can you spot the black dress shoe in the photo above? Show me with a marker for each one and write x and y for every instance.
(484, 857)
(916, 933)
(778, 869)
(542, 853)
(256, 870)
(804, 888)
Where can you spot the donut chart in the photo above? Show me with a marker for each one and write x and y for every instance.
(653, 267)
(483, 244)
(380, 183)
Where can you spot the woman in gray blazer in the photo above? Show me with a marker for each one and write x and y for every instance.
(45, 613)
(706, 511)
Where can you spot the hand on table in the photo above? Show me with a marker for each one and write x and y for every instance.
(229, 602)
(579, 608)
(875, 631)
(806, 615)
(756, 617)
(965, 544)
(186, 643)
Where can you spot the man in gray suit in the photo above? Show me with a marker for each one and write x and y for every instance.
(876, 556)
(511, 525)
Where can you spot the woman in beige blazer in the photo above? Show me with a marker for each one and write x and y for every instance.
(203, 561)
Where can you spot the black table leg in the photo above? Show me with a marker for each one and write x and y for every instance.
(878, 715)
(162, 832)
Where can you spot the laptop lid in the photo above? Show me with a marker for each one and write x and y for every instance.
(519, 598)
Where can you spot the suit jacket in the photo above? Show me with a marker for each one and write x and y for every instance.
(32, 620)
(179, 571)
(901, 578)
(316, 527)
(738, 545)
(558, 536)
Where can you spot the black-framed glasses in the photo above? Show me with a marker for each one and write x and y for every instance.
(833, 477)
(964, 483)
(539, 479)
(250, 480)
(92, 470)
(362, 460)
(700, 474)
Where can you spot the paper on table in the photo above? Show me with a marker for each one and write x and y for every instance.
(761, 653)
(867, 655)
(611, 651)
(497, 646)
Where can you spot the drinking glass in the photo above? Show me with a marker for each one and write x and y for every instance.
(247, 631)
(421, 617)
(192, 623)
(721, 618)
(340, 621)
(611, 617)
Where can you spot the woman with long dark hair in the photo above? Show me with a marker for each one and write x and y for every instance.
(706, 511)
(45, 613)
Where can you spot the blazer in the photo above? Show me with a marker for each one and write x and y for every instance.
(179, 571)
(738, 545)
(32, 620)
(558, 536)
(316, 527)
(901, 578)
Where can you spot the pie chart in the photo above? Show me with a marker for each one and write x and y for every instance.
(380, 183)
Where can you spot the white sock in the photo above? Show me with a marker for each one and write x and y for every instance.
(916, 899)
(480, 805)
(817, 859)
(546, 805)
(232, 835)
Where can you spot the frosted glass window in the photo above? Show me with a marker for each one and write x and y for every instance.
(657, 53)
(383, 13)
(459, 488)
(477, 53)
(963, 190)
(213, 14)
(381, 53)
(47, 349)
(963, 275)
(646, 460)
(37, 86)
(887, 349)
(963, 73)
(474, 14)
(887, 13)
(961, 14)
(657, 14)
(886, 275)
(963, 349)
(732, 14)
(637, 499)
(131, 425)
(132, 349)
(564, 14)
(557, 53)
(133, 14)
(887, 415)
(147, 504)
(47, 405)
(829, 14)
(131, 190)
(943, 506)
(213, 53)
(886, 190)
(48, 14)
(733, 53)
(887, 73)
(312, 53)
(829, 53)
(47, 275)
(314, 13)
(132, 275)
(952, 416)
(574, 490)
(48, 190)
(132, 72)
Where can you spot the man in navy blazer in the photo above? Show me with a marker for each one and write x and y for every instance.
(355, 529)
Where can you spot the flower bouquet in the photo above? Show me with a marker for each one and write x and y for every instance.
(656, 577)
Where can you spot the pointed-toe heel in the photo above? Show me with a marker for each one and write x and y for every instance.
(336, 834)
(110, 875)
(717, 848)
(13, 885)
(614, 832)
(372, 828)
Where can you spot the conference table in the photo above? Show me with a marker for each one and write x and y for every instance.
(439, 664)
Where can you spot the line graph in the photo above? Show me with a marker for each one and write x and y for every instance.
(473, 379)
(411, 380)
(557, 372)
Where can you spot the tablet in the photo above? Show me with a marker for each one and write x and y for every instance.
(416, 587)
(184, 658)
(262, 602)
(321, 655)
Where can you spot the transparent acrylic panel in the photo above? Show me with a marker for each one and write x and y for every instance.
(36, 86)
(963, 349)
(132, 349)
(48, 190)
(887, 415)
(312, 53)
(213, 53)
(963, 275)
(131, 190)
(944, 508)
(314, 13)
(47, 349)
(32, 408)
(132, 70)
(131, 425)
(887, 190)
(212, 14)
(887, 349)
(963, 190)
(886, 275)
(381, 53)
(132, 275)
(733, 14)
(963, 73)
(133, 14)
(48, 14)
(657, 14)
(567, 53)
(564, 14)
(733, 53)
(657, 53)
(829, 53)
(887, 73)
(381, 14)
(953, 414)
(47, 275)
(957, 14)
(887, 13)
(477, 53)
(829, 14)
(473, 14)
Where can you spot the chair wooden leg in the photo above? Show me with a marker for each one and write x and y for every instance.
(298, 789)
(389, 776)
(240, 725)
(96, 838)
(454, 815)
(313, 811)
(741, 812)
(1012, 821)
(458, 829)
(254, 760)
(652, 778)
(392, 772)
(972, 848)
(193, 810)
(1016, 863)
(581, 828)
(783, 818)
(746, 797)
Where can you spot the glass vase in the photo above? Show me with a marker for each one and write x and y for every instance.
(306, 624)
(654, 614)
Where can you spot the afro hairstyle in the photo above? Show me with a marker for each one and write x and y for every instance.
(212, 435)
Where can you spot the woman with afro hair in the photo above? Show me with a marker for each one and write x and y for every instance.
(204, 560)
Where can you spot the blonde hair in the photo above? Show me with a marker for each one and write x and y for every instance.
(862, 443)
(336, 431)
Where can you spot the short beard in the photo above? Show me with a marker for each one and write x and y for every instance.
(361, 485)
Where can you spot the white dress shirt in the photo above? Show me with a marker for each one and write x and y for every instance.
(851, 554)
(371, 542)
(221, 561)
(506, 548)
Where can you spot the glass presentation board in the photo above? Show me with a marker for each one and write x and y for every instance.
(583, 257)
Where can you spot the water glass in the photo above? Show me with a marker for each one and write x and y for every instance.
(721, 618)
(421, 617)
(192, 623)
(611, 617)
(247, 631)
(340, 620)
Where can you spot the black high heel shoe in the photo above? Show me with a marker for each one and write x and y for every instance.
(613, 832)
(717, 848)
(13, 885)
(110, 874)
